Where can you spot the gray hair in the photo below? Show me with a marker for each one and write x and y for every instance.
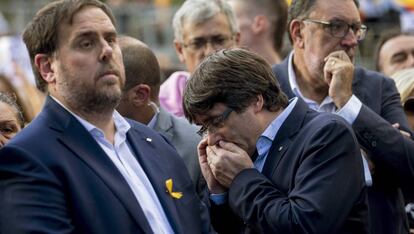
(200, 11)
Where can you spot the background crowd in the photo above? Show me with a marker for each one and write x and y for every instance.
(163, 42)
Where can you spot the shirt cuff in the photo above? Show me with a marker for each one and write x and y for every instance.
(218, 199)
(351, 110)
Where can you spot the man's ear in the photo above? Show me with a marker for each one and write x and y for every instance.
(260, 24)
(139, 95)
(296, 32)
(237, 39)
(43, 64)
(179, 50)
(258, 105)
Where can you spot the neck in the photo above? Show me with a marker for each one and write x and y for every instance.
(314, 88)
(266, 50)
(102, 120)
(144, 115)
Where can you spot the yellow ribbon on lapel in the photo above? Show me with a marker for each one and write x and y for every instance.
(169, 185)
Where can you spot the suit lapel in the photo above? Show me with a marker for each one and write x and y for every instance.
(283, 138)
(282, 75)
(151, 162)
(82, 144)
(164, 124)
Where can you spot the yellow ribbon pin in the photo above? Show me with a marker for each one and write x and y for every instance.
(169, 185)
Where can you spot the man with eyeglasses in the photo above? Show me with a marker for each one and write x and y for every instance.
(272, 165)
(200, 28)
(320, 70)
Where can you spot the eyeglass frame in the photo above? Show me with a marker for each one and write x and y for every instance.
(210, 40)
(216, 122)
(354, 28)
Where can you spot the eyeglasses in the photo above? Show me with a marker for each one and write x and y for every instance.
(340, 29)
(215, 123)
(217, 42)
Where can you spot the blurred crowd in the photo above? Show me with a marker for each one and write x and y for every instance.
(173, 40)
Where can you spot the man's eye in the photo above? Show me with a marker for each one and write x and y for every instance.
(399, 58)
(218, 40)
(86, 44)
(197, 44)
(337, 26)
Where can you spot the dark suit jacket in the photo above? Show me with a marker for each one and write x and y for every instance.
(392, 154)
(183, 136)
(312, 182)
(55, 178)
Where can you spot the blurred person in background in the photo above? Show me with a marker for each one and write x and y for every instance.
(325, 37)
(394, 52)
(26, 95)
(404, 80)
(140, 102)
(11, 118)
(262, 26)
(200, 28)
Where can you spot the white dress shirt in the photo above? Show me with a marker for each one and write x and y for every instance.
(125, 161)
(349, 111)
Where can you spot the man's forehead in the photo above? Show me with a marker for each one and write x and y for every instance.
(335, 10)
(86, 21)
(194, 29)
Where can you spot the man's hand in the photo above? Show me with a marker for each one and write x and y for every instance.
(213, 185)
(339, 73)
(404, 133)
(226, 160)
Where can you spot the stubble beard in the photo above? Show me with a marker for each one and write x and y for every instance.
(91, 101)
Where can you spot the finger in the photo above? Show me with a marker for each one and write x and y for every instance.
(396, 125)
(202, 154)
(340, 54)
(405, 134)
(229, 146)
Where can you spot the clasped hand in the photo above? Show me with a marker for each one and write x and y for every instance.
(220, 163)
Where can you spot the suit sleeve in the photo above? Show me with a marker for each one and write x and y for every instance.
(328, 182)
(386, 147)
(31, 199)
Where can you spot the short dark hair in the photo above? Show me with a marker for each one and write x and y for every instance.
(9, 100)
(41, 34)
(141, 65)
(386, 36)
(276, 11)
(234, 77)
(300, 9)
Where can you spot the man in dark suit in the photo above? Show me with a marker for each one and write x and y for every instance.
(80, 167)
(272, 166)
(325, 36)
(140, 102)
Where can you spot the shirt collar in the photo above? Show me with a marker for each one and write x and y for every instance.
(295, 88)
(270, 132)
(121, 125)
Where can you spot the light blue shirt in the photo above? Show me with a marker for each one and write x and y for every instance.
(263, 145)
(266, 139)
(125, 161)
(349, 112)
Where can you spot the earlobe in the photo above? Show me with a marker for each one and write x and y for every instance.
(44, 66)
(140, 95)
(237, 38)
(295, 29)
(260, 23)
(179, 50)
(259, 103)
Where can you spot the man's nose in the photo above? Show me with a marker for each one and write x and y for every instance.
(350, 39)
(107, 51)
(213, 138)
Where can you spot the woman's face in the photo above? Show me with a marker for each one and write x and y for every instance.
(9, 123)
